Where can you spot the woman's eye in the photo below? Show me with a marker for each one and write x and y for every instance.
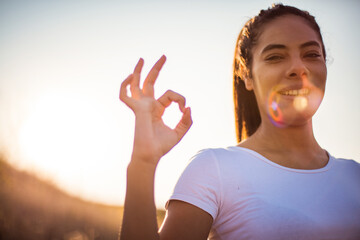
(312, 55)
(274, 58)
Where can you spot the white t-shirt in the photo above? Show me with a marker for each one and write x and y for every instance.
(251, 197)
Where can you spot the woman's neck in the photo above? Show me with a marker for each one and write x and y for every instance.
(292, 146)
(290, 138)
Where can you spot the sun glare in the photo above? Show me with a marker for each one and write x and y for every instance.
(72, 140)
(63, 136)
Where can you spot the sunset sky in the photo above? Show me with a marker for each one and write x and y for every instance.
(62, 62)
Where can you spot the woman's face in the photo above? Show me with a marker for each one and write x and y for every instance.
(288, 71)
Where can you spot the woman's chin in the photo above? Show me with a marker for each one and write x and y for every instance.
(284, 111)
(292, 116)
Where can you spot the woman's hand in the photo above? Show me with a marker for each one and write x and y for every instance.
(153, 139)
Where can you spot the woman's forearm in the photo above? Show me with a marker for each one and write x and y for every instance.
(139, 219)
(152, 140)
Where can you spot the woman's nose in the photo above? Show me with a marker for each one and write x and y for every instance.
(297, 68)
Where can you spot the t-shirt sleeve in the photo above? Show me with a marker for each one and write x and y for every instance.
(200, 184)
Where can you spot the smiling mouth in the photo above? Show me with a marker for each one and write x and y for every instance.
(295, 92)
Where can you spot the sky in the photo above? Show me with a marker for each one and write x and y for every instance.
(62, 62)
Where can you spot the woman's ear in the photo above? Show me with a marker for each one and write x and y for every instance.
(248, 83)
(245, 76)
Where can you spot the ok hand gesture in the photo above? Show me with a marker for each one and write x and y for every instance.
(153, 139)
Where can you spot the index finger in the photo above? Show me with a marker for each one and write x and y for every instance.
(148, 86)
(170, 96)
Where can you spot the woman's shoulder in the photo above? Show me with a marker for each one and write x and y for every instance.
(346, 162)
(222, 152)
(222, 156)
(345, 172)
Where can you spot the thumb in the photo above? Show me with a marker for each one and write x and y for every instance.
(184, 125)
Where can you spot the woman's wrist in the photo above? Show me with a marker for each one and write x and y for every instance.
(143, 165)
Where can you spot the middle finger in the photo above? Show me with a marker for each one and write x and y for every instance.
(148, 87)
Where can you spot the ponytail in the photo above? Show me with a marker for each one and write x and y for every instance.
(247, 116)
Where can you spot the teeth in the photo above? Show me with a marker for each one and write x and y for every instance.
(303, 91)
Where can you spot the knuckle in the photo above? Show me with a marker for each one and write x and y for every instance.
(169, 92)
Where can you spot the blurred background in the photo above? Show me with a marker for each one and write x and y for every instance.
(62, 62)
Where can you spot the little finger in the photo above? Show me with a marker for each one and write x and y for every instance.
(123, 96)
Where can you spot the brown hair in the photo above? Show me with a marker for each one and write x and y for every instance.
(247, 115)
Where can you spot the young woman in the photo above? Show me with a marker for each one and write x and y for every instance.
(278, 183)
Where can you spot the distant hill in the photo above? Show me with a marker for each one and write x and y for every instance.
(33, 209)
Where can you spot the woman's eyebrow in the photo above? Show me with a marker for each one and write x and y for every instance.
(310, 43)
(281, 46)
(273, 46)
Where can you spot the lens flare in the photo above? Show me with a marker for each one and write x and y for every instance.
(300, 103)
(276, 115)
(295, 102)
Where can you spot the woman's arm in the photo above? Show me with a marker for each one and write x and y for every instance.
(182, 221)
(152, 140)
(185, 221)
